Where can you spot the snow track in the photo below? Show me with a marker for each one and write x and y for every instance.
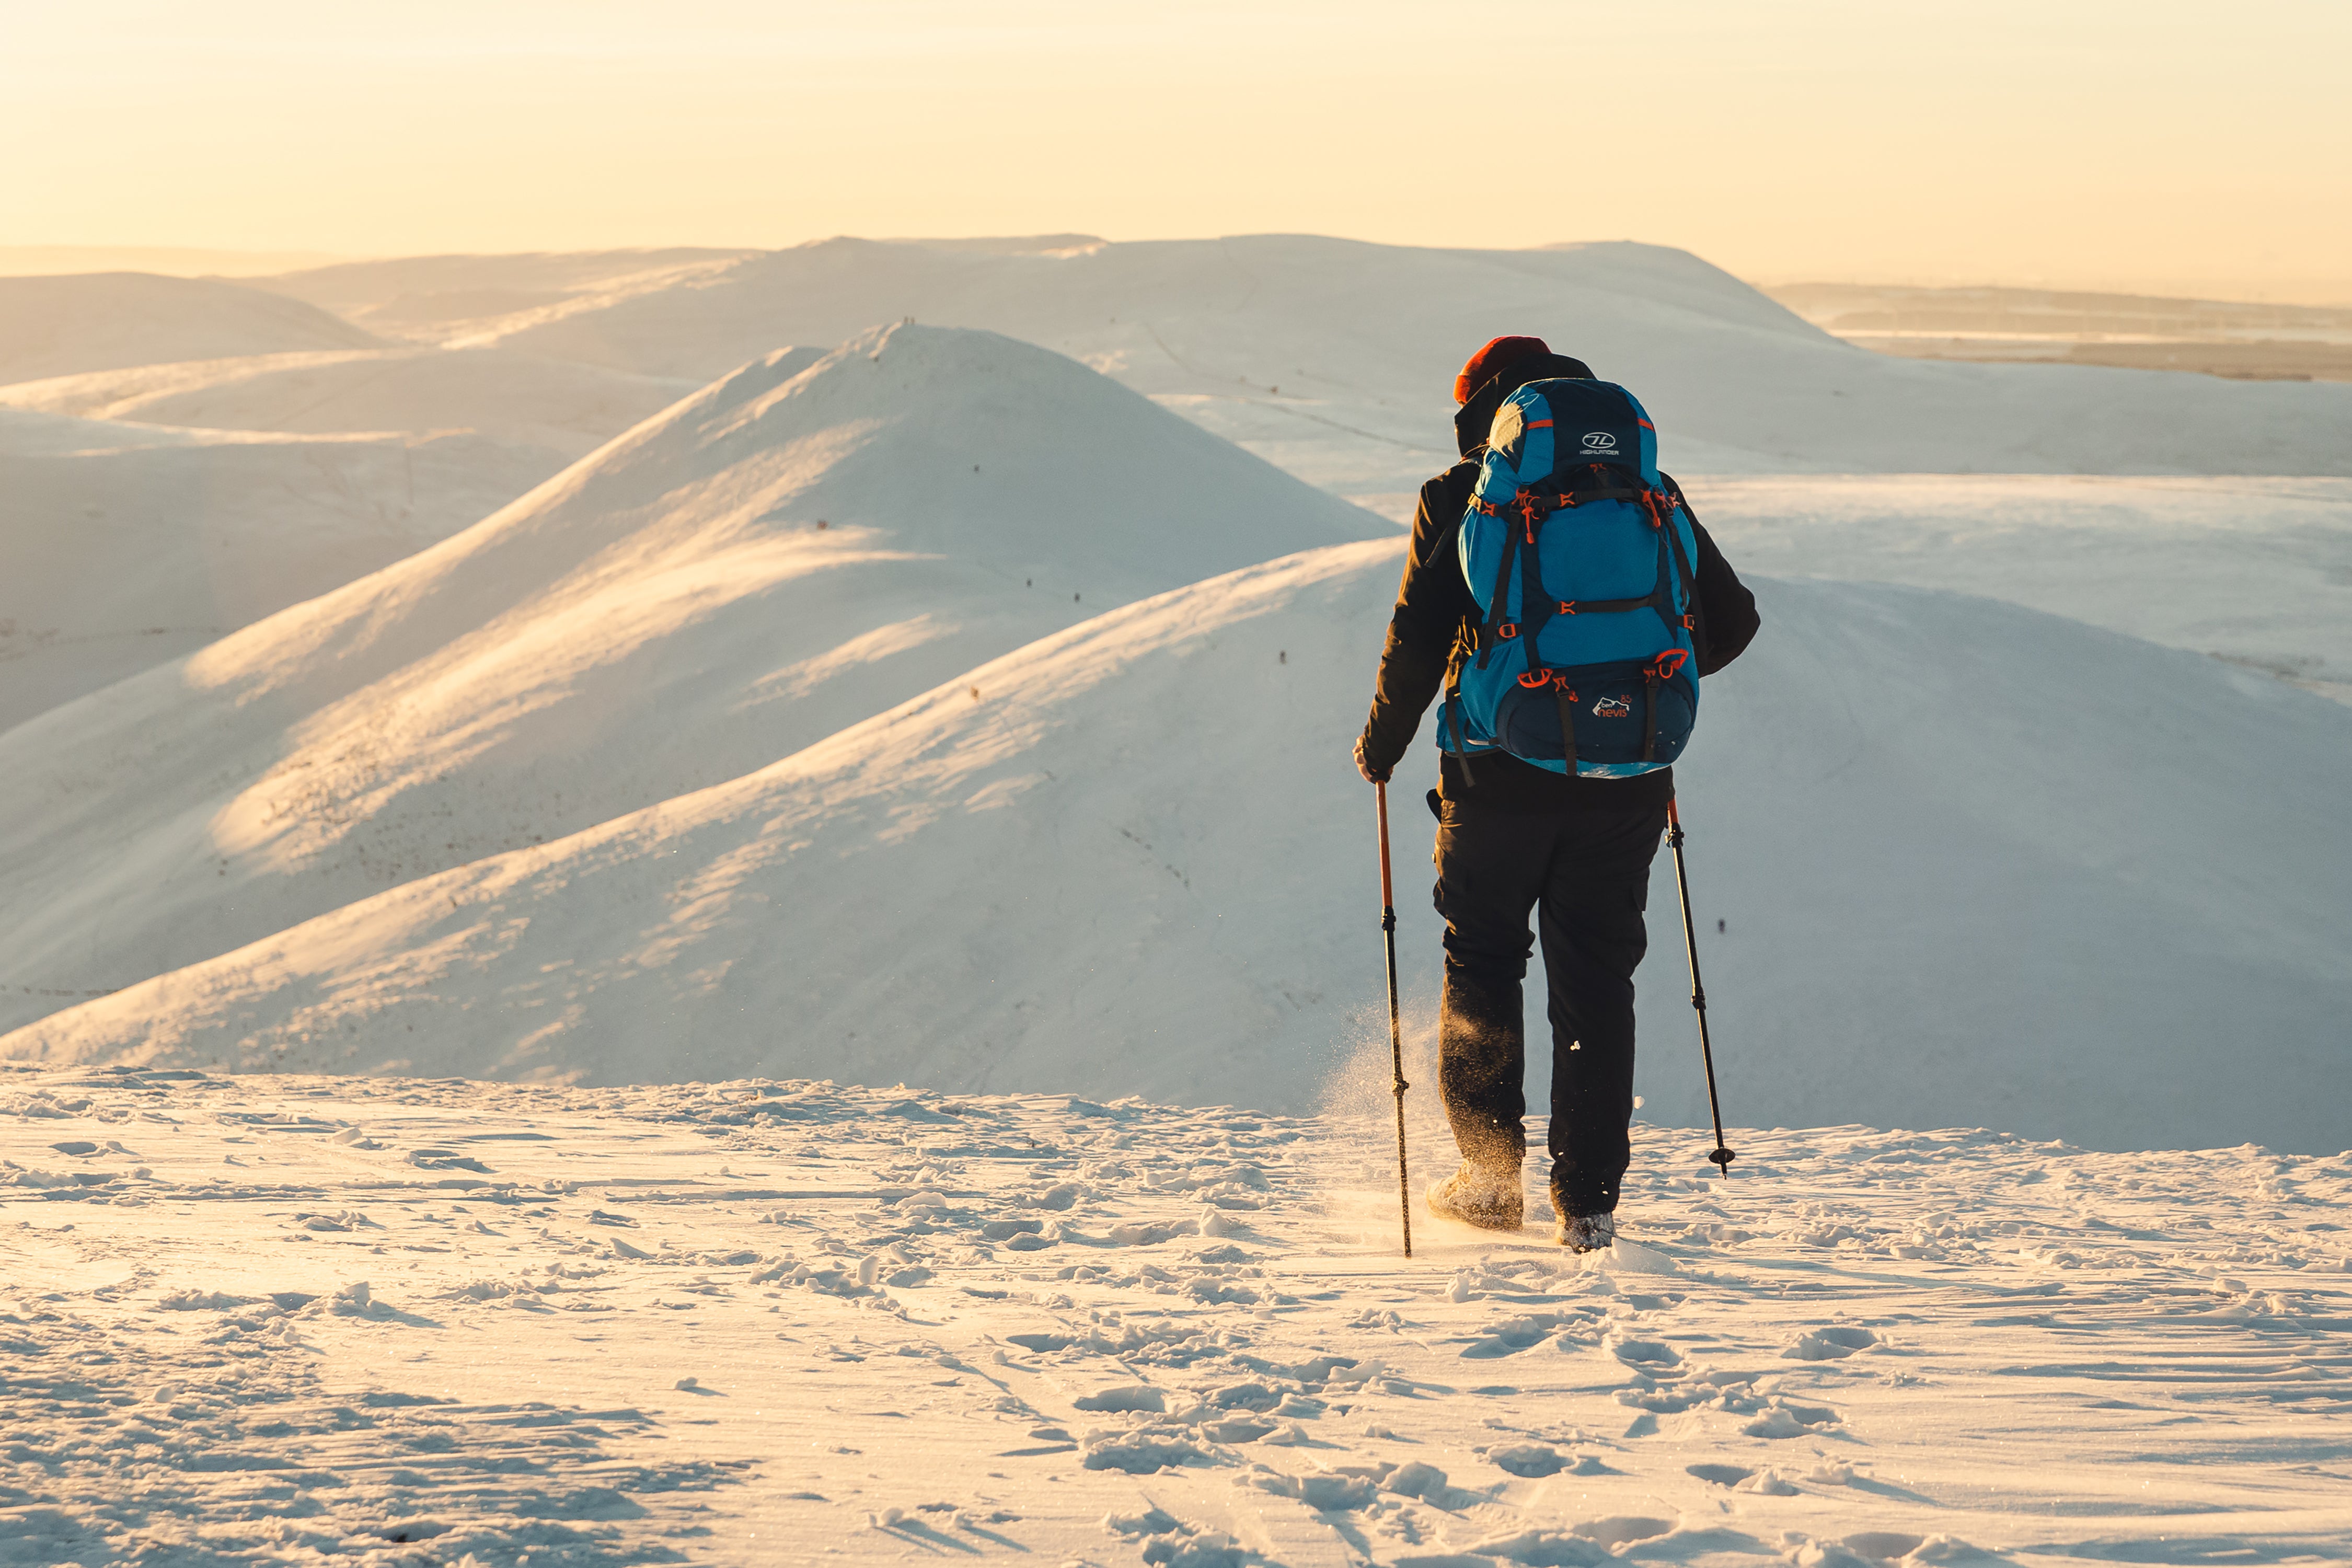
(260, 1319)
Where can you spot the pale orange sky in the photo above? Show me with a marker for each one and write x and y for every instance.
(2150, 145)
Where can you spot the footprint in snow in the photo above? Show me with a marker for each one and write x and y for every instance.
(1124, 1397)
(1783, 1420)
(1719, 1475)
(1254, 1396)
(1531, 1461)
(1164, 1538)
(1643, 1352)
(1619, 1530)
(1828, 1344)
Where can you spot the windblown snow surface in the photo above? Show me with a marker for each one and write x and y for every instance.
(279, 1320)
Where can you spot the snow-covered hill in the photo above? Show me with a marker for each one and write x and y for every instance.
(1975, 866)
(100, 321)
(797, 547)
(1336, 358)
(2254, 570)
(124, 546)
(453, 299)
(564, 408)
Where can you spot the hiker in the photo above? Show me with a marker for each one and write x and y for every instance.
(1513, 835)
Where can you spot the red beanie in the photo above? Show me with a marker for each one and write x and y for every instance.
(1488, 362)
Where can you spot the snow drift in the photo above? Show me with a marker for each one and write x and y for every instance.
(797, 547)
(99, 321)
(1975, 866)
(1336, 358)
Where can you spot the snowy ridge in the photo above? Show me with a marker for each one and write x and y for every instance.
(569, 410)
(100, 320)
(441, 299)
(256, 1319)
(802, 544)
(1132, 859)
(2257, 571)
(1335, 358)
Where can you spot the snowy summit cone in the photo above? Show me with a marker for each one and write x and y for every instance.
(804, 543)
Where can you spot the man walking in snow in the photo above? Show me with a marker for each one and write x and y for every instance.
(1514, 838)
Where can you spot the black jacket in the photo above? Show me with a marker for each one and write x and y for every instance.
(1436, 609)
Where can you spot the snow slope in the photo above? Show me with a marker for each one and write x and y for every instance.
(2254, 570)
(795, 548)
(1337, 358)
(100, 320)
(566, 409)
(124, 546)
(1975, 866)
(267, 1319)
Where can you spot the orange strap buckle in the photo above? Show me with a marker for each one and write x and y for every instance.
(1508, 630)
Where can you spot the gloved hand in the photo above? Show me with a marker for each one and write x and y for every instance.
(1371, 775)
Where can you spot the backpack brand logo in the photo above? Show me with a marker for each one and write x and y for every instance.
(1600, 441)
(1612, 707)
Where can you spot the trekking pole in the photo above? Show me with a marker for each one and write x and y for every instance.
(1722, 1157)
(1396, 1028)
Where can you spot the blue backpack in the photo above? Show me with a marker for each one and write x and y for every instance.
(1582, 556)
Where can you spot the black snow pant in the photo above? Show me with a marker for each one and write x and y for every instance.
(1588, 873)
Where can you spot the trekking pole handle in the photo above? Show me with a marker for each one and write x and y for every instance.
(1388, 895)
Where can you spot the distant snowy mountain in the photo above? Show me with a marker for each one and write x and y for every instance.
(565, 408)
(123, 546)
(797, 547)
(1335, 358)
(449, 299)
(100, 321)
(1974, 866)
